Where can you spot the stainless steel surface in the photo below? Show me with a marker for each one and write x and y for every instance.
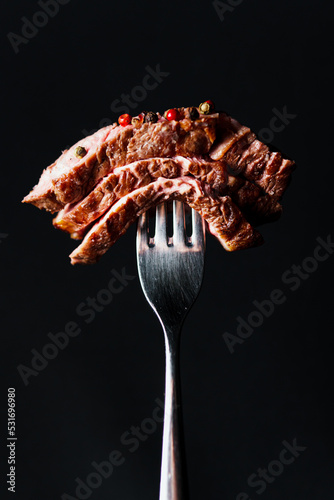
(171, 272)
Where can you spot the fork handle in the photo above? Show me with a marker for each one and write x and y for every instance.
(173, 483)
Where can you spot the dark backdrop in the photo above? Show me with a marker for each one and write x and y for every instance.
(241, 409)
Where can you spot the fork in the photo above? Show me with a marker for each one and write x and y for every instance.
(171, 273)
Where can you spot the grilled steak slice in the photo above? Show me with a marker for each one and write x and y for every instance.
(224, 219)
(123, 180)
(70, 178)
(246, 155)
(102, 183)
(257, 206)
(45, 195)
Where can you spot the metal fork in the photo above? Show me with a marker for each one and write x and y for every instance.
(171, 272)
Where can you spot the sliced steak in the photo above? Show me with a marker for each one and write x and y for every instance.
(224, 218)
(257, 206)
(123, 180)
(212, 162)
(45, 193)
(75, 219)
(70, 178)
(246, 155)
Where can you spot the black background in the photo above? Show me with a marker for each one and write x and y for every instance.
(240, 407)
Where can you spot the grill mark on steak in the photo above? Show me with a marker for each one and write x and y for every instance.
(224, 218)
(245, 154)
(257, 206)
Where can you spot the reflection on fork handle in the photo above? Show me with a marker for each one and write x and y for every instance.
(173, 482)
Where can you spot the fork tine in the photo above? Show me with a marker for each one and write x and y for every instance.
(142, 232)
(179, 233)
(160, 237)
(198, 230)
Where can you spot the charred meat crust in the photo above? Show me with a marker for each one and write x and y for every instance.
(244, 154)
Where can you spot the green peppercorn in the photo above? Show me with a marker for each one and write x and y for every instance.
(151, 117)
(193, 113)
(80, 152)
(205, 108)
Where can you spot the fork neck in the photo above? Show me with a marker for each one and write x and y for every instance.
(172, 335)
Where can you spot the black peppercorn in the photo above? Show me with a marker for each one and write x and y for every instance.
(193, 113)
(151, 117)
